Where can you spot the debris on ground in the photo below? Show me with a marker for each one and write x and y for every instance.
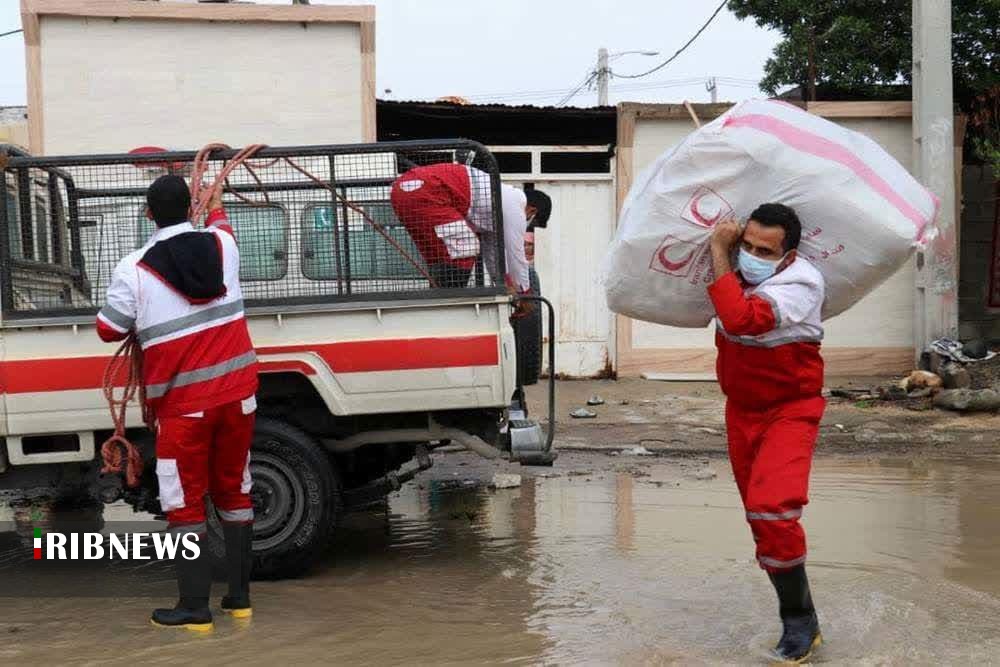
(893, 392)
(595, 400)
(976, 349)
(852, 394)
(704, 474)
(972, 351)
(505, 481)
(637, 451)
(968, 400)
(583, 413)
(954, 375)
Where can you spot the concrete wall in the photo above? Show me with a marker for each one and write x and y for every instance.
(875, 336)
(111, 86)
(976, 318)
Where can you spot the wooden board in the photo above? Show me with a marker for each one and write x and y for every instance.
(179, 11)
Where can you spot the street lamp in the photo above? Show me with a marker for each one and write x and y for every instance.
(604, 72)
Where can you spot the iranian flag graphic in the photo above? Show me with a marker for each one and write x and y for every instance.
(38, 543)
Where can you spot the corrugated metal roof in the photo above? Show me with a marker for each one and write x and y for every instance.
(498, 107)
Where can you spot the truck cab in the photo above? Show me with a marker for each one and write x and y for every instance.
(365, 365)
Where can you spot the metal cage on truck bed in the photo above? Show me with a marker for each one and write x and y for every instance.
(314, 225)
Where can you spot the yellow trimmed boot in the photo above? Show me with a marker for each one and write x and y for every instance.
(239, 558)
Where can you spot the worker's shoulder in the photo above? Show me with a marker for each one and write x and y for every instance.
(223, 231)
(130, 261)
(796, 281)
(802, 272)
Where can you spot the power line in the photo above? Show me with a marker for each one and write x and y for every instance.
(570, 95)
(11, 32)
(679, 51)
(528, 97)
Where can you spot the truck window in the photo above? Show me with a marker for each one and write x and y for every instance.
(372, 256)
(261, 234)
(319, 241)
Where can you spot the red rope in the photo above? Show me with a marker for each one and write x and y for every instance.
(118, 451)
(201, 195)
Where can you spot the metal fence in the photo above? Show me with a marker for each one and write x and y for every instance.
(314, 224)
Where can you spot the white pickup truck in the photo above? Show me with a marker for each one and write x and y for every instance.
(365, 366)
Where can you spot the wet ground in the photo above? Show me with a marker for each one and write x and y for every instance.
(616, 560)
(688, 417)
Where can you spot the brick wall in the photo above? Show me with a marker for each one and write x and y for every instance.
(976, 319)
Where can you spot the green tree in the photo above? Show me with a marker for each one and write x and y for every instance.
(863, 48)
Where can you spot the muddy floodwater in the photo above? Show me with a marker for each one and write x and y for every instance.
(605, 560)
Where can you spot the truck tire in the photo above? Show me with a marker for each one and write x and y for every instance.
(297, 502)
(528, 336)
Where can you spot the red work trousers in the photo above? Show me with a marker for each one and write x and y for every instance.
(206, 452)
(771, 453)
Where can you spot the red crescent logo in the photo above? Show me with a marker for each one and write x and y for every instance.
(674, 266)
(708, 222)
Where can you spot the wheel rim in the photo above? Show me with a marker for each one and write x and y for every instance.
(279, 500)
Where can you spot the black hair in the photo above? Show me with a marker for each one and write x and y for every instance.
(542, 204)
(169, 199)
(779, 215)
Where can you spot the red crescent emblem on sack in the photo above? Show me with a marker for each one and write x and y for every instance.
(661, 262)
(674, 266)
(696, 212)
(692, 212)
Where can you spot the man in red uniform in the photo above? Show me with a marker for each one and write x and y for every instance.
(770, 369)
(447, 210)
(180, 294)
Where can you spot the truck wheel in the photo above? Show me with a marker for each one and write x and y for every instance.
(528, 336)
(297, 502)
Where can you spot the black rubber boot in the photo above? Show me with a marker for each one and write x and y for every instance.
(194, 585)
(239, 558)
(801, 635)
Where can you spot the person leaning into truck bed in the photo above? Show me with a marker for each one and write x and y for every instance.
(180, 295)
(771, 371)
(447, 210)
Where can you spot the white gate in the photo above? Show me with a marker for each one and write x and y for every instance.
(569, 251)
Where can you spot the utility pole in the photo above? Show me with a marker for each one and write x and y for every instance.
(713, 88)
(936, 302)
(603, 74)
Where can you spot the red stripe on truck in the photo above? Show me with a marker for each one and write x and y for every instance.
(71, 373)
(366, 356)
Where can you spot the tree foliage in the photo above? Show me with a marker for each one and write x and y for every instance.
(864, 46)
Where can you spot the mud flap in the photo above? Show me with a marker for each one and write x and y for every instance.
(529, 443)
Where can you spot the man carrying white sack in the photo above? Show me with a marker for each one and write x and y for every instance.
(770, 368)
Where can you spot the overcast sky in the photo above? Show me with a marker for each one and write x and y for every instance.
(528, 51)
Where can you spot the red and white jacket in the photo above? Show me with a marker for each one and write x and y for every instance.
(197, 352)
(769, 335)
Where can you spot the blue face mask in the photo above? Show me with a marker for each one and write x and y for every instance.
(756, 270)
